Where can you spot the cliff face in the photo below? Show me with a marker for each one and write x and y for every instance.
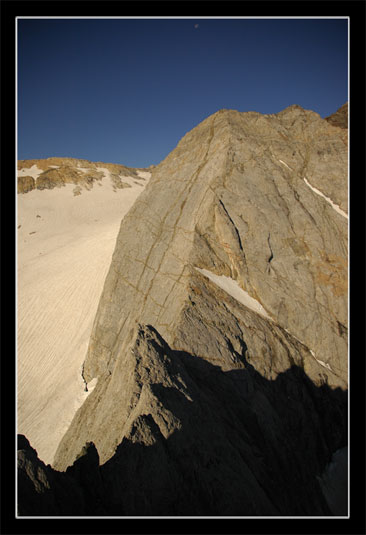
(240, 196)
(220, 341)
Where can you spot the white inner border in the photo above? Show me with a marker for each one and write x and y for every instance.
(16, 242)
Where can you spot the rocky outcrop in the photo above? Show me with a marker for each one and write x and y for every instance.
(340, 117)
(41, 490)
(220, 341)
(25, 184)
(57, 172)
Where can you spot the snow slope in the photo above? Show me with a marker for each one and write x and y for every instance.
(65, 244)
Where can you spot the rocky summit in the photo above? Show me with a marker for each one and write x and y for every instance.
(220, 344)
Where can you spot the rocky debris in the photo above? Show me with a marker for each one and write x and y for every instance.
(25, 184)
(340, 117)
(76, 191)
(66, 175)
(118, 182)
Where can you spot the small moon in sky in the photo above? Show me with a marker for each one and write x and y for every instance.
(196, 26)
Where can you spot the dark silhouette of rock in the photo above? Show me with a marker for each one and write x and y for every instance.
(334, 482)
(212, 443)
(41, 490)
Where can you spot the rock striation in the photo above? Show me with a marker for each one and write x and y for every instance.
(220, 340)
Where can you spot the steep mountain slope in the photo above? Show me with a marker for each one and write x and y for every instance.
(66, 236)
(340, 117)
(220, 342)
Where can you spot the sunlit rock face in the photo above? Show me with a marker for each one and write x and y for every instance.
(220, 341)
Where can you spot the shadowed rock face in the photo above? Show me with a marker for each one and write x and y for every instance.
(41, 490)
(201, 441)
(205, 405)
(340, 117)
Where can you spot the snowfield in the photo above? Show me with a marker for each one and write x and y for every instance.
(64, 245)
(33, 171)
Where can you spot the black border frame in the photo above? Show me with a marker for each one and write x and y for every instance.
(356, 11)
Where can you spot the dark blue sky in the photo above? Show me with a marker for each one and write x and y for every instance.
(126, 91)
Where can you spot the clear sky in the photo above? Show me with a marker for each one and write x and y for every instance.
(126, 91)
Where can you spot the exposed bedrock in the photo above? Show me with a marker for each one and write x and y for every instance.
(204, 404)
(198, 440)
(57, 172)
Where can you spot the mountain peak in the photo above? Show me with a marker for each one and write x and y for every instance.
(219, 346)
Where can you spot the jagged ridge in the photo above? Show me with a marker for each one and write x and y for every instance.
(200, 441)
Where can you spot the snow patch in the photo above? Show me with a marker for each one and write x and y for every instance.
(84, 390)
(284, 163)
(231, 287)
(129, 180)
(322, 363)
(33, 171)
(144, 174)
(90, 386)
(333, 205)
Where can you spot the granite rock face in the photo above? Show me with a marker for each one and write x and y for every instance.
(220, 341)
